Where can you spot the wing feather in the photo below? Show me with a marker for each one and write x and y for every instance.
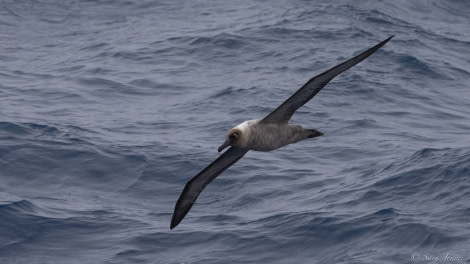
(284, 112)
(195, 186)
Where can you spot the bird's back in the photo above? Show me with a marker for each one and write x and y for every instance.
(267, 137)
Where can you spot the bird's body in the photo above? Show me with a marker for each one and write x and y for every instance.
(258, 136)
(270, 133)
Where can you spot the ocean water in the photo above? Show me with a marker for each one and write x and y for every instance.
(107, 108)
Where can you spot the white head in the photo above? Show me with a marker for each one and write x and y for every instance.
(237, 137)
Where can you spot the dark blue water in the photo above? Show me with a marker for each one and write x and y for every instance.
(107, 108)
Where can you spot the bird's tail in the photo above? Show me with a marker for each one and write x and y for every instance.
(313, 133)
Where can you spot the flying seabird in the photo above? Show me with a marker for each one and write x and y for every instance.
(269, 133)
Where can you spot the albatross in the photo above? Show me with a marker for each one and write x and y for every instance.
(266, 134)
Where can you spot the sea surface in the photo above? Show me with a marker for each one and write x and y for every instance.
(107, 109)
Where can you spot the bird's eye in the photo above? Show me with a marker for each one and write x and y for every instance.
(234, 135)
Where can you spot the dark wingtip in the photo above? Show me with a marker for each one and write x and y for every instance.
(174, 222)
(385, 41)
(177, 216)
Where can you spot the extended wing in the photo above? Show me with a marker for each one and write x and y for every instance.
(195, 186)
(284, 112)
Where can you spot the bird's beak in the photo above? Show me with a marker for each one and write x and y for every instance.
(226, 144)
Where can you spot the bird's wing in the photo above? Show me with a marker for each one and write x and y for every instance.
(195, 186)
(284, 112)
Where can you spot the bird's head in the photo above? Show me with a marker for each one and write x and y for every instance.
(237, 137)
(234, 139)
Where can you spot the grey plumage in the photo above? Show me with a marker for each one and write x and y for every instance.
(267, 137)
(269, 133)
